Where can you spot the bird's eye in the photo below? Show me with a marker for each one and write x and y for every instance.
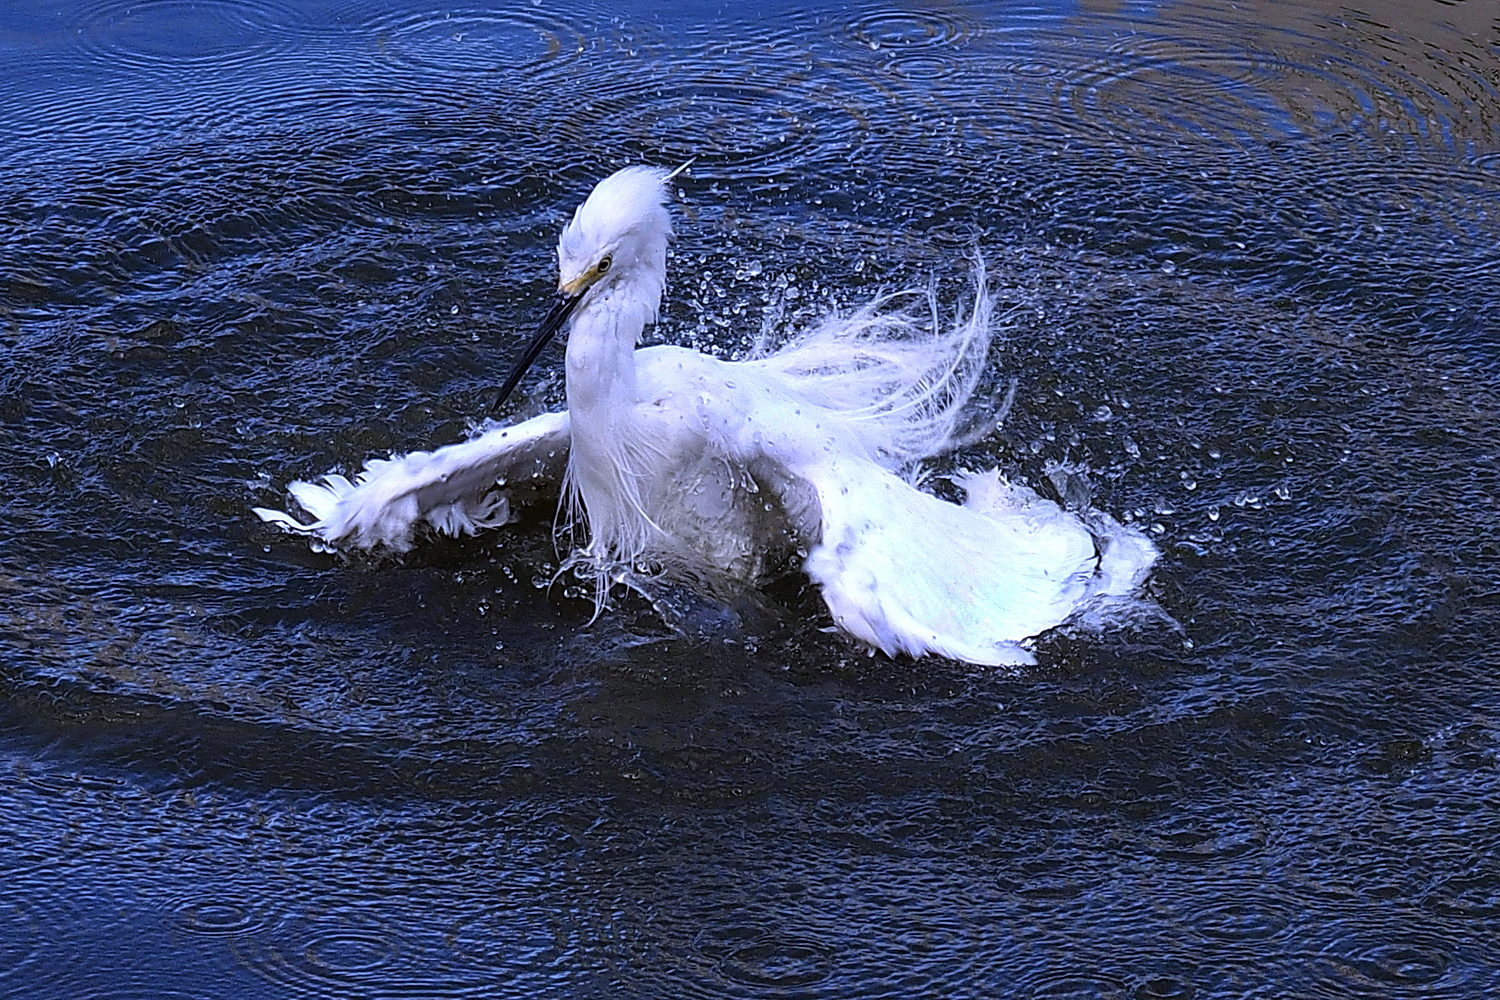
(604, 263)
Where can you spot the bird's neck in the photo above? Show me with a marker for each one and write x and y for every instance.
(610, 457)
(601, 379)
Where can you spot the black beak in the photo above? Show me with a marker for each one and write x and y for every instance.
(561, 309)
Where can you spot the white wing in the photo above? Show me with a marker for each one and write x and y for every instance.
(908, 572)
(900, 569)
(453, 488)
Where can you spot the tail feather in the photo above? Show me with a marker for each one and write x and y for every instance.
(907, 572)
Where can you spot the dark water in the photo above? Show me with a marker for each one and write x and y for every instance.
(1254, 249)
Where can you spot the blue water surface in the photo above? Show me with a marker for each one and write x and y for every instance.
(1250, 255)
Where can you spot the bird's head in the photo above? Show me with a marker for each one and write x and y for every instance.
(616, 241)
(618, 235)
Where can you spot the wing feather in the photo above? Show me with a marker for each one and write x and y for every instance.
(908, 572)
(453, 489)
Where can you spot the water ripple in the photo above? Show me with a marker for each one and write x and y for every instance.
(922, 65)
(476, 40)
(315, 952)
(1143, 88)
(515, 938)
(1214, 79)
(753, 957)
(217, 917)
(1242, 920)
(891, 28)
(743, 124)
(1074, 986)
(174, 35)
(1189, 840)
(1359, 967)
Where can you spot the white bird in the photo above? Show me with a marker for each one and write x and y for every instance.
(706, 469)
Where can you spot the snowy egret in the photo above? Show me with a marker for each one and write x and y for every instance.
(704, 469)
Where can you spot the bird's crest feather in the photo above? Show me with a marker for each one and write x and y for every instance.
(628, 202)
